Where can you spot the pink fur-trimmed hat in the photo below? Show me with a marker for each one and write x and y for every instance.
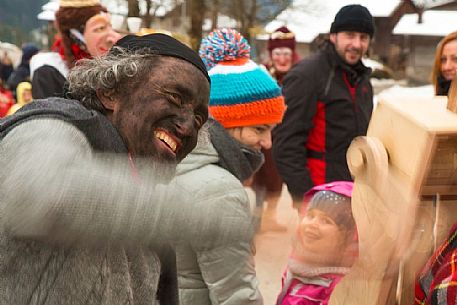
(334, 199)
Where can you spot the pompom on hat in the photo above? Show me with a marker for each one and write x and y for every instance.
(280, 38)
(242, 94)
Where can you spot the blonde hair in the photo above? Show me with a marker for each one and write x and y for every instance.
(436, 70)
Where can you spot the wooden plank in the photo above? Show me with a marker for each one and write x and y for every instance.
(420, 250)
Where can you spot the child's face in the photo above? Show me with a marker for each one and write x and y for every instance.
(322, 241)
(27, 95)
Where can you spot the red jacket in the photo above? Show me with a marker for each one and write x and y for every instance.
(6, 101)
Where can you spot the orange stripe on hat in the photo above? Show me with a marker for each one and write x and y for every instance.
(267, 111)
(235, 62)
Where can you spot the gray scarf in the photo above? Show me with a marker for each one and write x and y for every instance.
(235, 157)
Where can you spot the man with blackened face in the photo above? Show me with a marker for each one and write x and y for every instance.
(161, 120)
(158, 120)
(87, 205)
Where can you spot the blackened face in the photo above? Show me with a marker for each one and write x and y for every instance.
(161, 118)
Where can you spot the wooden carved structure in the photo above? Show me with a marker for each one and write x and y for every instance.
(405, 173)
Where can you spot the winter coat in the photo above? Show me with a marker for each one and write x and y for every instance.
(223, 274)
(76, 228)
(309, 286)
(48, 73)
(435, 284)
(6, 101)
(21, 74)
(311, 291)
(5, 71)
(328, 104)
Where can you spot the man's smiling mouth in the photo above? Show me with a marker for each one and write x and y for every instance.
(167, 139)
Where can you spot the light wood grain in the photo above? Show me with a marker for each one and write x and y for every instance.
(410, 151)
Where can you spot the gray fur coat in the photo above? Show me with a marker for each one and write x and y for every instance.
(76, 229)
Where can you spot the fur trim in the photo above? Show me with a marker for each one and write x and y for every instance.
(78, 3)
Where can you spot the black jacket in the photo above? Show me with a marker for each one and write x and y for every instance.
(328, 104)
(21, 74)
(47, 82)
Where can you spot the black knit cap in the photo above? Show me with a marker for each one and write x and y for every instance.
(162, 44)
(353, 17)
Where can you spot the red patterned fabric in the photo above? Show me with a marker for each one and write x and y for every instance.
(437, 282)
(76, 50)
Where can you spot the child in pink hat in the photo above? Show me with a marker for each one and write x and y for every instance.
(324, 246)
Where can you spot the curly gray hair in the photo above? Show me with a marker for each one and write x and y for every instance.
(119, 71)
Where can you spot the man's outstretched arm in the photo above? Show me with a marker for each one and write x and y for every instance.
(56, 189)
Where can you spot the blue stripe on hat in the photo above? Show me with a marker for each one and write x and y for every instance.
(238, 88)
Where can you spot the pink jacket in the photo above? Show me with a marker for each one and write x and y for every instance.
(307, 291)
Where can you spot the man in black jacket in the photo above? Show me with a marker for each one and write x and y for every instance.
(329, 102)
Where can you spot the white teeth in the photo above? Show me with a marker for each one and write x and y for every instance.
(165, 138)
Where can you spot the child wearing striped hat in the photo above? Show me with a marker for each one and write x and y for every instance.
(245, 104)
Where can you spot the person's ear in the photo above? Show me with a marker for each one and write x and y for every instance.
(107, 98)
(333, 37)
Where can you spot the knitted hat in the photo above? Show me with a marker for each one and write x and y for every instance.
(73, 14)
(242, 94)
(334, 199)
(162, 44)
(281, 37)
(353, 17)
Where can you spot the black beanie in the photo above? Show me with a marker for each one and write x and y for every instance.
(162, 44)
(355, 18)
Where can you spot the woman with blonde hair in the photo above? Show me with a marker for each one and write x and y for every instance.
(445, 64)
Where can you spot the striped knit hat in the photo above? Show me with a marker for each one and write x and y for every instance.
(242, 94)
